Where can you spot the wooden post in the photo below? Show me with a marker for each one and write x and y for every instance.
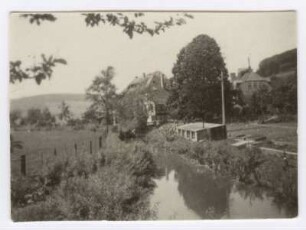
(100, 142)
(23, 165)
(75, 148)
(90, 147)
(42, 158)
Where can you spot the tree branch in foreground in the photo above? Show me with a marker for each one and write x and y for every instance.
(37, 72)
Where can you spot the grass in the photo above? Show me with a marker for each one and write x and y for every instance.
(51, 139)
(113, 184)
(44, 147)
(279, 132)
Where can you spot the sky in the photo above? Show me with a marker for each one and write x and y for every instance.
(89, 50)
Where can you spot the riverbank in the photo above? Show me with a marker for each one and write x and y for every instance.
(248, 166)
(185, 191)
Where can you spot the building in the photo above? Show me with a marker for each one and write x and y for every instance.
(252, 82)
(247, 82)
(153, 88)
(235, 80)
(196, 132)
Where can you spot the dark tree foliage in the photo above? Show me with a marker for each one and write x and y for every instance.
(128, 22)
(38, 18)
(65, 113)
(284, 96)
(279, 63)
(14, 116)
(196, 85)
(40, 118)
(37, 72)
(132, 112)
(260, 101)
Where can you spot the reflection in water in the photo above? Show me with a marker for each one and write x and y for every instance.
(185, 191)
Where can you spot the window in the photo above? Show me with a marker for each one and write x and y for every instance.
(192, 135)
(188, 134)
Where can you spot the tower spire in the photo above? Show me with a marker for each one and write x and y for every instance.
(249, 62)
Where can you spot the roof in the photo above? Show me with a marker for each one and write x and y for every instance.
(142, 86)
(139, 81)
(197, 126)
(252, 76)
(159, 96)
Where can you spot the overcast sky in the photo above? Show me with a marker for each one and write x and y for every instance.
(89, 50)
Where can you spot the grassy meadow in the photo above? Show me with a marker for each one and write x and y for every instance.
(285, 133)
(42, 147)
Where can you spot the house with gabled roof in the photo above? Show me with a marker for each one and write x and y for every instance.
(153, 88)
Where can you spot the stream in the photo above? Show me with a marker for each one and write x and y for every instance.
(186, 191)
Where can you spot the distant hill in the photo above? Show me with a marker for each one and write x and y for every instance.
(280, 63)
(77, 102)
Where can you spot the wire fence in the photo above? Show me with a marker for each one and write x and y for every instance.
(32, 162)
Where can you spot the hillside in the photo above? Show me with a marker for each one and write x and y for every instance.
(280, 63)
(77, 102)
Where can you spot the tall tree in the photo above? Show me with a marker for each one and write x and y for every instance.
(65, 113)
(260, 101)
(196, 86)
(102, 92)
(131, 112)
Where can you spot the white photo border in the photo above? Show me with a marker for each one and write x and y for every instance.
(7, 6)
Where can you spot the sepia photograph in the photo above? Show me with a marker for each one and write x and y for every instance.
(153, 115)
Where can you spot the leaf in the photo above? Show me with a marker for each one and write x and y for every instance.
(38, 80)
(43, 56)
(60, 60)
(189, 16)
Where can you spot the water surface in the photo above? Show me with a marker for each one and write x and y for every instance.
(185, 191)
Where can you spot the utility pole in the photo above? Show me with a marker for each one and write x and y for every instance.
(223, 103)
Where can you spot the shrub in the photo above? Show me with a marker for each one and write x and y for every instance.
(108, 194)
(84, 190)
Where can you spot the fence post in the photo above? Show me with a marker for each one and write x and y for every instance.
(42, 158)
(90, 145)
(23, 165)
(100, 142)
(75, 148)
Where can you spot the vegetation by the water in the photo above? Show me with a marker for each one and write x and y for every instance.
(113, 184)
(249, 166)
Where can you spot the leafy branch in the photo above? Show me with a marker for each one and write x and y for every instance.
(38, 18)
(129, 23)
(37, 72)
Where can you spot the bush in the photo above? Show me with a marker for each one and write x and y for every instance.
(82, 189)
